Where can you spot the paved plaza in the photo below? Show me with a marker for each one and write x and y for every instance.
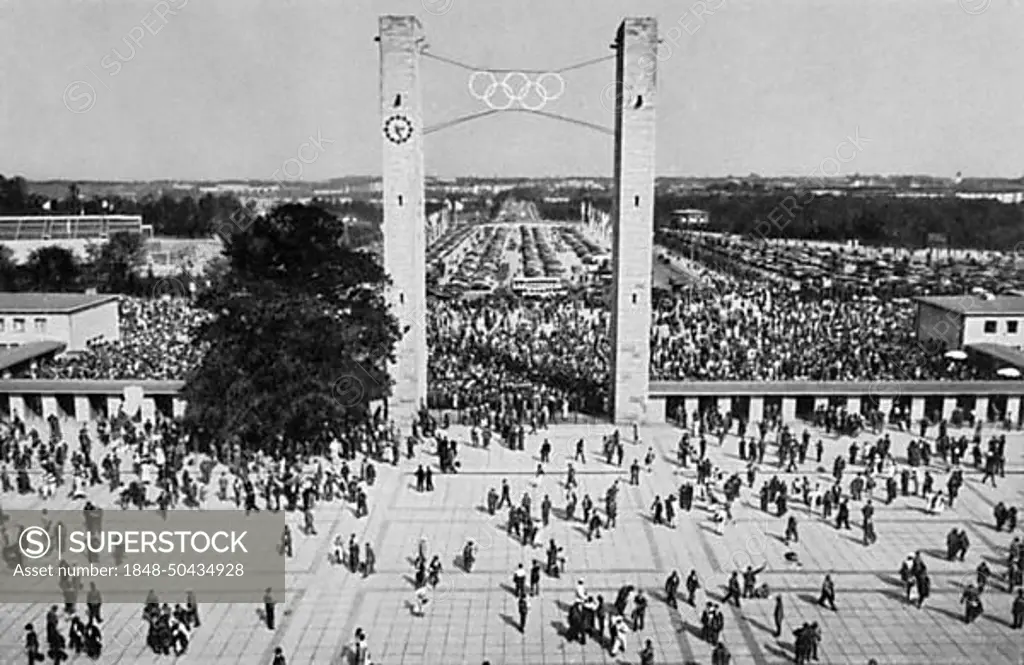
(473, 616)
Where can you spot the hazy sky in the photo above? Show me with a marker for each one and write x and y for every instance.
(233, 88)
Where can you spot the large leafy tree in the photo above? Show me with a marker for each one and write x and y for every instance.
(52, 268)
(300, 336)
(9, 271)
(115, 264)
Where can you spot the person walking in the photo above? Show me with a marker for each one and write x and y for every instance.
(1017, 610)
(419, 606)
(671, 589)
(647, 654)
(620, 629)
(924, 589)
(692, 586)
(721, 655)
(524, 610)
(828, 593)
(734, 590)
(535, 578)
(639, 611)
(268, 608)
(519, 580)
(779, 615)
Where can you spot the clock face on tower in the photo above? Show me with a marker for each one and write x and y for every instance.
(398, 129)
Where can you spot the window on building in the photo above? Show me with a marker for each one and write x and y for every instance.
(3, 325)
(990, 327)
(40, 325)
(19, 325)
(1011, 327)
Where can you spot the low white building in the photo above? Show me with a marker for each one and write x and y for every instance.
(73, 319)
(965, 320)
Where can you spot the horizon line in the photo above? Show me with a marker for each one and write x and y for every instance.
(299, 183)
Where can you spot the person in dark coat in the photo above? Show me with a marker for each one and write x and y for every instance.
(672, 588)
(779, 615)
(971, 599)
(93, 641)
(32, 645)
(192, 609)
(721, 655)
(622, 598)
(692, 585)
(647, 654)
(268, 608)
(924, 589)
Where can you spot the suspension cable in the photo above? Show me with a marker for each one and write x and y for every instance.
(458, 121)
(504, 70)
(483, 114)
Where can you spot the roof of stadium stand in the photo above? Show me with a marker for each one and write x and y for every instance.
(50, 303)
(972, 305)
(1001, 352)
(27, 352)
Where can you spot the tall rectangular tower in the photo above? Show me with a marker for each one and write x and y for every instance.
(403, 200)
(633, 232)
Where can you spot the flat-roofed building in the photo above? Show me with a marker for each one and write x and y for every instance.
(957, 322)
(690, 218)
(72, 319)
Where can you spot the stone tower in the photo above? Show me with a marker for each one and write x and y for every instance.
(403, 201)
(633, 234)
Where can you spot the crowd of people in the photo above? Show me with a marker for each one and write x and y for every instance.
(722, 327)
(190, 474)
(511, 370)
(156, 344)
(129, 465)
(481, 352)
(725, 329)
(730, 329)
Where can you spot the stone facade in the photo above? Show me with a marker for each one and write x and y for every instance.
(403, 200)
(633, 234)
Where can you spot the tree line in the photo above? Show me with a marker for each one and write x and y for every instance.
(798, 215)
(112, 267)
(802, 215)
(875, 220)
(182, 216)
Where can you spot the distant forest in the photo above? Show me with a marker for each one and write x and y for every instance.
(876, 220)
(183, 216)
(880, 220)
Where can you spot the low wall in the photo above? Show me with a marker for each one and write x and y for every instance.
(844, 388)
(86, 400)
(988, 400)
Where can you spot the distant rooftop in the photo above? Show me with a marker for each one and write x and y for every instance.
(976, 305)
(52, 303)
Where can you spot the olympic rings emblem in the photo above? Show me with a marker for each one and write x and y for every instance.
(516, 88)
(398, 129)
